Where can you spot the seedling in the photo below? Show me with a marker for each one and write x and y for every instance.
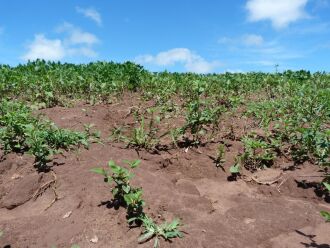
(132, 199)
(166, 230)
(220, 159)
(258, 153)
(120, 176)
(88, 130)
(235, 169)
(134, 203)
(325, 214)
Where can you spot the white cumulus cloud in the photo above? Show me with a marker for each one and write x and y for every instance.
(76, 35)
(250, 40)
(90, 13)
(191, 61)
(74, 43)
(280, 12)
(253, 40)
(43, 48)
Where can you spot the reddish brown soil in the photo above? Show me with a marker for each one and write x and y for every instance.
(180, 183)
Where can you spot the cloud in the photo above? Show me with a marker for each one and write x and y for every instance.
(43, 48)
(77, 36)
(253, 40)
(253, 49)
(82, 51)
(226, 40)
(74, 43)
(249, 40)
(191, 61)
(280, 12)
(321, 4)
(90, 13)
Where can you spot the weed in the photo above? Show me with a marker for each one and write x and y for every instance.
(166, 230)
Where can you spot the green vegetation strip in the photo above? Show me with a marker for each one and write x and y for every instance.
(21, 131)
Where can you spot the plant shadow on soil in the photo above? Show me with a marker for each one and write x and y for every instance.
(312, 243)
(117, 204)
(318, 190)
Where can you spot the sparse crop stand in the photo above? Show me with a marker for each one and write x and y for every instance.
(234, 159)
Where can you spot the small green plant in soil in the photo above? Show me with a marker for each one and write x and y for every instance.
(257, 153)
(166, 230)
(325, 214)
(235, 169)
(131, 198)
(220, 158)
(120, 176)
(200, 113)
(141, 137)
(122, 191)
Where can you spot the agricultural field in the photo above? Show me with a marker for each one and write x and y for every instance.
(112, 155)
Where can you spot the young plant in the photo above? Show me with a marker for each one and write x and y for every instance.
(117, 135)
(144, 136)
(120, 177)
(200, 114)
(166, 231)
(123, 193)
(220, 158)
(325, 214)
(88, 130)
(131, 198)
(258, 153)
(134, 203)
(235, 169)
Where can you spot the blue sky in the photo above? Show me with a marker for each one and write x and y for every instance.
(185, 35)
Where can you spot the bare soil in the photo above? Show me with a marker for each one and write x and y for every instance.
(181, 182)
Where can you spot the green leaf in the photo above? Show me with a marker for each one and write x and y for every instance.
(135, 164)
(325, 215)
(327, 185)
(112, 164)
(109, 179)
(100, 171)
(132, 219)
(156, 244)
(235, 169)
(173, 234)
(126, 188)
(114, 191)
(145, 236)
(173, 224)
